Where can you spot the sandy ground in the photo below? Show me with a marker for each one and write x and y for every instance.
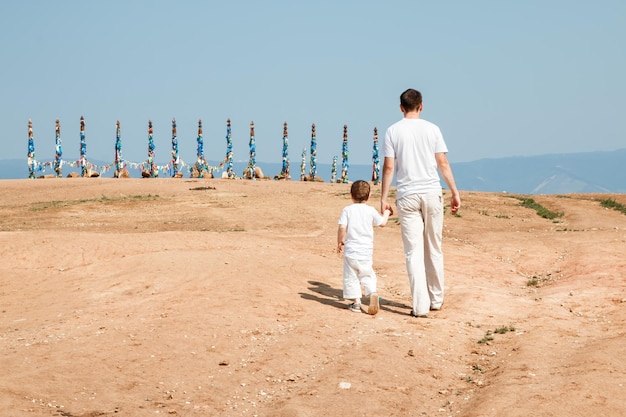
(143, 297)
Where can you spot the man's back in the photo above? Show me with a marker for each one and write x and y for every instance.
(413, 142)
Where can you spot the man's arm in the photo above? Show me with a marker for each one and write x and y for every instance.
(448, 177)
(388, 167)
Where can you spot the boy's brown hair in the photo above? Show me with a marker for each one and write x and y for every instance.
(360, 191)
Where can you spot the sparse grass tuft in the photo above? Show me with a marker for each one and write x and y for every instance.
(539, 280)
(612, 204)
(497, 216)
(504, 329)
(541, 210)
(477, 368)
(533, 282)
(488, 337)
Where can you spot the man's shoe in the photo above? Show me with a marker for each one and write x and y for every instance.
(421, 316)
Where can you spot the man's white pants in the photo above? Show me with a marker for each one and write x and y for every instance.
(421, 222)
(358, 272)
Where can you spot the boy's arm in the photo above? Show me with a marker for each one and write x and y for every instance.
(385, 216)
(341, 236)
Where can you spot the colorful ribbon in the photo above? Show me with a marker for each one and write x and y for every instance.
(333, 170)
(344, 156)
(202, 168)
(151, 166)
(175, 159)
(58, 151)
(119, 164)
(32, 162)
(229, 151)
(285, 169)
(249, 171)
(83, 149)
(375, 159)
(313, 167)
(303, 164)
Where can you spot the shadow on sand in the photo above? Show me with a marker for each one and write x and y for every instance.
(327, 295)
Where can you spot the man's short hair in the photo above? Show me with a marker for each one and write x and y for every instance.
(411, 99)
(360, 191)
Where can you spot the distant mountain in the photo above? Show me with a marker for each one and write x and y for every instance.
(591, 172)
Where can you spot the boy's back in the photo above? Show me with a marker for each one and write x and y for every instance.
(359, 219)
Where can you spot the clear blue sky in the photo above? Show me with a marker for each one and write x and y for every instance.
(501, 78)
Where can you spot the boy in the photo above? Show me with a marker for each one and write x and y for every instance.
(355, 238)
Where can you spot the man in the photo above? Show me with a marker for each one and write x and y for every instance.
(414, 148)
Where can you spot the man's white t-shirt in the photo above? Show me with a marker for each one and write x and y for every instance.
(359, 219)
(413, 143)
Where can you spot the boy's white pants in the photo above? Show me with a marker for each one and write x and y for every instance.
(356, 273)
(421, 222)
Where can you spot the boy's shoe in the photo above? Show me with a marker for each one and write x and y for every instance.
(374, 304)
(356, 307)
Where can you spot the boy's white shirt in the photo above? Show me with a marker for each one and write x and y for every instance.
(359, 220)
